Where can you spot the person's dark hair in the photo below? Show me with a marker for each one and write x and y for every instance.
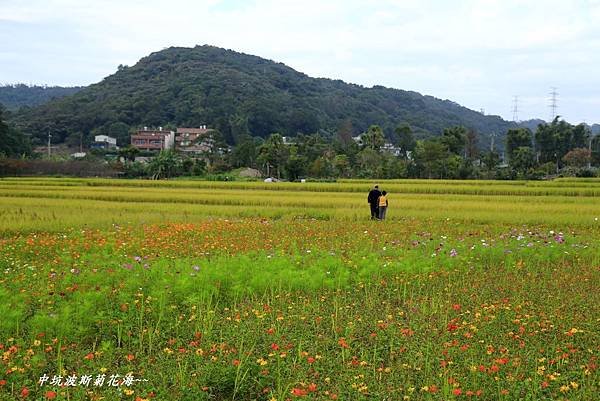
(376, 186)
(384, 193)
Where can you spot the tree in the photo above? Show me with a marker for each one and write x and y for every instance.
(373, 138)
(245, 152)
(295, 166)
(517, 138)
(595, 145)
(556, 139)
(273, 154)
(344, 133)
(165, 165)
(370, 163)
(455, 138)
(429, 157)
(522, 159)
(341, 164)
(406, 140)
(579, 157)
(129, 153)
(12, 142)
(490, 160)
(580, 136)
(471, 145)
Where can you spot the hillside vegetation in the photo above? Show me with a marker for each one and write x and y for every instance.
(239, 94)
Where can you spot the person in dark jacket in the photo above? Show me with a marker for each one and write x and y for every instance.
(374, 195)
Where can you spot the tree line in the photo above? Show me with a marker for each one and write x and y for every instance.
(555, 148)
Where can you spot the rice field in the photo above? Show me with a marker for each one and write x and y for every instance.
(194, 290)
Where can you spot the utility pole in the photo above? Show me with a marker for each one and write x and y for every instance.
(49, 145)
(515, 109)
(553, 103)
(590, 149)
(493, 135)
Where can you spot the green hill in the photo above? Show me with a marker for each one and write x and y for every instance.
(237, 94)
(15, 96)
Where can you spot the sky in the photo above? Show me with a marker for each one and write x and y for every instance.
(478, 53)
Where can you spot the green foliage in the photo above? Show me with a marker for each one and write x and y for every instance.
(239, 94)
(517, 138)
(373, 139)
(455, 139)
(405, 139)
(22, 95)
(165, 165)
(12, 141)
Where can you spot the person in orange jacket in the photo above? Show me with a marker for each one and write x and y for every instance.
(382, 202)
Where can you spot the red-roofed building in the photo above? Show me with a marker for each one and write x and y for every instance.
(149, 139)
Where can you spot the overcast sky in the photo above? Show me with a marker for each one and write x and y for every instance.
(479, 53)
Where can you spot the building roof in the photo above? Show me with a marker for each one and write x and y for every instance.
(196, 131)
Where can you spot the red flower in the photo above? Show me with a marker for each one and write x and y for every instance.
(236, 362)
(50, 395)
(299, 392)
(312, 387)
(342, 342)
(274, 347)
(457, 391)
(452, 327)
(130, 357)
(24, 392)
(310, 359)
(433, 388)
(456, 307)
(89, 356)
(2, 382)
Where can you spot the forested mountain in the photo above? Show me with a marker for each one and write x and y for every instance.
(239, 94)
(19, 95)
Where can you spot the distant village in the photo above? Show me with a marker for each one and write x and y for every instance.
(192, 142)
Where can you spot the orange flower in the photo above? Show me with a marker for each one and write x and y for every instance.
(342, 342)
(312, 387)
(310, 359)
(299, 392)
(236, 362)
(24, 392)
(130, 357)
(89, 356)
(50, 395)
(457, 391)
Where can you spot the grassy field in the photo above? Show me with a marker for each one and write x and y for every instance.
(194, 290)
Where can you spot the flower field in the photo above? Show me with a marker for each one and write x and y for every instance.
(194, 290)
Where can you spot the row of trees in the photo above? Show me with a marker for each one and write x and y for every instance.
(556, 147)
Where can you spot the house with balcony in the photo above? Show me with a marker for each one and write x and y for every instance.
(153, 139)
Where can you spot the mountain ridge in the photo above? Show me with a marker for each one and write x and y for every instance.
(240, 94)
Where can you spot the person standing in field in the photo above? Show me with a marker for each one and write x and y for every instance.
(374, 195)
(382, 202)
